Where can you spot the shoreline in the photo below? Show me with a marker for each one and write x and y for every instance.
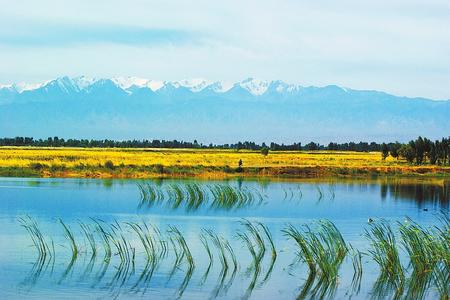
(142, 172)
(209, 164)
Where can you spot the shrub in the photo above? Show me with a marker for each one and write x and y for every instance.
(159, 168)
(109, 165)
(36, 166)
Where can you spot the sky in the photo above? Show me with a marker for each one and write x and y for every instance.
(401, 47)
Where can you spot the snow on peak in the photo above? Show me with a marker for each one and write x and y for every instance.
(127, 82)
(68, 84)
(256, 87)
(283, 87)
(220, 86)
(83, 82)
(21, 87)
(194, 85)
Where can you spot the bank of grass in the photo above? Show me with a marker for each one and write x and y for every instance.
(145, 163)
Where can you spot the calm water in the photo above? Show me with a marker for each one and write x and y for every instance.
(348, 204)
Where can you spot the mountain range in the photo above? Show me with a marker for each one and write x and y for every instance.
(256, 110)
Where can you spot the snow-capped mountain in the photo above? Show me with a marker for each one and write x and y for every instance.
(251, 109)
(256, 87)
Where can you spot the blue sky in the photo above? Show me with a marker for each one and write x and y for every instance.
(401, 47)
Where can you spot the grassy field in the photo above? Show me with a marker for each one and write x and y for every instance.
(141, 163)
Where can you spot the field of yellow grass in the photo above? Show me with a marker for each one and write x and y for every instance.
(92, 162)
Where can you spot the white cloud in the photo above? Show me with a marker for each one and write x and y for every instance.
(397, 46)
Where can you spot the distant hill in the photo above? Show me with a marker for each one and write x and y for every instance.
(124, 108)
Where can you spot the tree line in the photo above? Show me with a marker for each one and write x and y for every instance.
(419, 151)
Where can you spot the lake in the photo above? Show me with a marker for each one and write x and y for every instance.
(181, 216)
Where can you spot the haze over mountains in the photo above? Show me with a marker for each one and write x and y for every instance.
(256, 110)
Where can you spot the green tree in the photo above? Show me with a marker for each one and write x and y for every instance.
(407, 152)
(432, 153)
(265, 151)
(384, 151)
(394, 149)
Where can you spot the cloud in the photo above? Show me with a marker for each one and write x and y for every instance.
(63, 35)
(397, 46)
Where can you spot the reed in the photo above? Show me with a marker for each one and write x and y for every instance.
(304, 251)
(90, 237)
(205, 243)
(323, 250)
(220, 248)
(105, 238)
(37, 237)
(68, 234)
(181, 247)
(257, 237)
(235, 264)
(320, 193)
(385, 253)
(422, 247)
(194, 195)
(441, 273)
(223, 247)
(273, 251)
(147, 240)
(300, 193)
(331, 189)
(357, 271)
(384, 249)
(320, 245)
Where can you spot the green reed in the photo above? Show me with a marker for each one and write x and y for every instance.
(90, 237)
(357, 271)
(323, 250)
(384, 249)
(69, 235)
(385, 253)
(194, 195)
(38, 239)
(321, 246)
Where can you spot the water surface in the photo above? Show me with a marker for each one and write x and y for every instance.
(347, 203)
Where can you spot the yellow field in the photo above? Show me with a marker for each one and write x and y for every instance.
(74, 158)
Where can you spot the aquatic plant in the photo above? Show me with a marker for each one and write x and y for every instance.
(38, 239)
(223, 247)
(384, 252)
(182, 246)
(105, 237)
(323, 250)
(147, 240)
(273, 251)
(194, 195)
(71, 238)
(205, 243)
(357, 271)
(90, 237)
(320, 246)
(319, 191)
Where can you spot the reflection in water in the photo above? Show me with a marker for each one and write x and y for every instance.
(225, 196)
(193, 196)
(321, 247)
(255, 242)
(422, 194)
(120, 249)
(137, 259)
